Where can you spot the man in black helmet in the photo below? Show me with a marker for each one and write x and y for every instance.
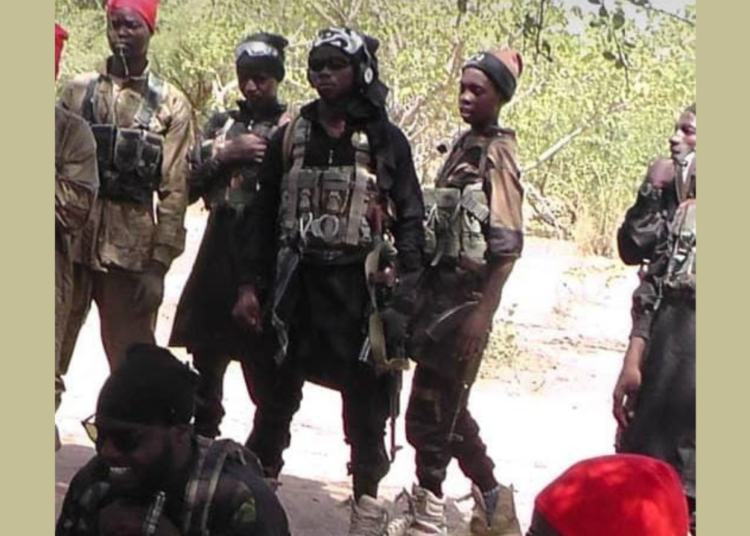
(338, 191)
(152, 475)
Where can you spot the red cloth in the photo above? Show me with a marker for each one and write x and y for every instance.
(60, 36)
(620, 495)
(145, 8)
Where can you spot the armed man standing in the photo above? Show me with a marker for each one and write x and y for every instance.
(142, 128)
(475, 235)
(76, 183)
(337, 184)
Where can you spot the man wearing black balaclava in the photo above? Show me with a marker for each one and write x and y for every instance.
(338, 190)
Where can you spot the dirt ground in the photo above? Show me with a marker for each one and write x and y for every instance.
(544, 408)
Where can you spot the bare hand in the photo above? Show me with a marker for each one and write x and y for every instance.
(246, 311)
(625, 395)
(244, 149)
(474, 333)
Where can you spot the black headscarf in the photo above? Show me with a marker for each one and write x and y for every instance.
(365, 108)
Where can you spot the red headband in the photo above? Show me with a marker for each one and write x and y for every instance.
(60, 36)
(145, 8)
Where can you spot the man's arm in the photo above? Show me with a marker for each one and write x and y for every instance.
(256, 236)
(644, 223)
(169, 236)
(504, 236)
(76, 176)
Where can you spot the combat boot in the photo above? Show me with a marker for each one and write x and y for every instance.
(494, 513)
(427, 514)
(369, 517)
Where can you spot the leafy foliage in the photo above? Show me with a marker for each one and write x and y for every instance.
(596, 102)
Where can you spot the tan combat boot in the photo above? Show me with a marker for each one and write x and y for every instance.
(369, 517)
(494, 513)
(427, 513)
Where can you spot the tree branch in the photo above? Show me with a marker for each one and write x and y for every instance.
(648, 7)
(560, 144)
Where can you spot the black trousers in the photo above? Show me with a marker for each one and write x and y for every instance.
(432, 408)
(366, 408)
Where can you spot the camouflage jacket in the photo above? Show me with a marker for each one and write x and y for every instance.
(76, 183)
(120, 234)
(224, 495)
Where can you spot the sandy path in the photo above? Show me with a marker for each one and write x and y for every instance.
(548, 409)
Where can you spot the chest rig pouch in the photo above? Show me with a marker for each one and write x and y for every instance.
(129, 159)
(457, 208)
(681, 269)
(325, 209)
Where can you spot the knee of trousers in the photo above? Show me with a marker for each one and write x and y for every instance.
(425, 416)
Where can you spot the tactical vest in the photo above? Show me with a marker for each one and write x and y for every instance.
(129, 159)
(324, 210)
(242, 185)
(457, 208)
(681, 267)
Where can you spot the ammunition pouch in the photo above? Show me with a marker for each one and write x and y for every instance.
(680, 278)
(325, 209)
(129, 159)
(129, 162)
(454, 221)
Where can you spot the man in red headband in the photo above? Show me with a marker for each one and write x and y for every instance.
(142, 126)
(76, 183)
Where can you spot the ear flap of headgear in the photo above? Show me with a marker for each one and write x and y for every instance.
(359, 47)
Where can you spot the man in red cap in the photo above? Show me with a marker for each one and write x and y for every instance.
(620, 495)
(76, 183)
(142, 126)
(474, 229)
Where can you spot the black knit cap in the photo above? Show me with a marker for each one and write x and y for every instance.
(269, 58)
(150, 387)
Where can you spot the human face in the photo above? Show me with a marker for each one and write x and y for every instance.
(478, 99)
(683, 141)
(137, 455)
(331, 73)
(128, 32)
(257, 86)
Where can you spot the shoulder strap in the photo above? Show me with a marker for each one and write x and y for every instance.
(201, 489)
(151, 101)
(88, 109)
(455, 153)
(295, 140)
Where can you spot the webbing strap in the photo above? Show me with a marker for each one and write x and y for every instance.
(150, 102)
(359, 198)
(290, 182)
